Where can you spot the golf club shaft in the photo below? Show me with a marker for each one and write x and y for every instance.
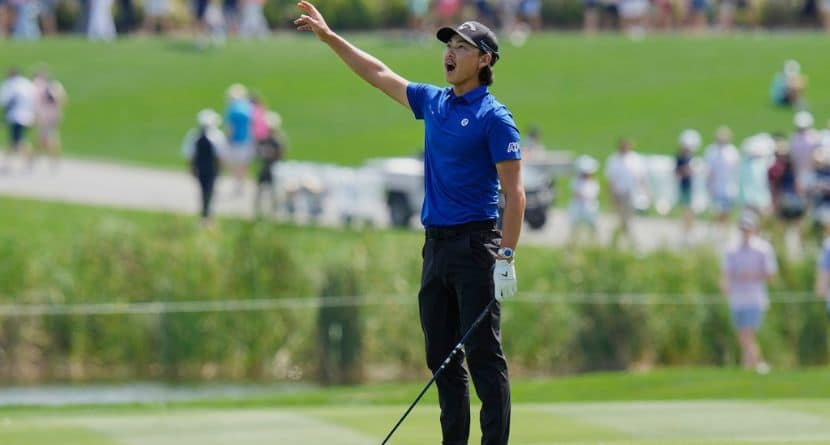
(441, 368)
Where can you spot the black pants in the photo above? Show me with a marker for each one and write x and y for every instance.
(456, 285)
(206, 182)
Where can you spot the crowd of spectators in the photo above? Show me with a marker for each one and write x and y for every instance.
(212, 20)
(251, 132)
(31, 104)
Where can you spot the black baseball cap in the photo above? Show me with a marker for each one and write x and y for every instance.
(475, 34)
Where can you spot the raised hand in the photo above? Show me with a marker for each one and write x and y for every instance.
(312, 20)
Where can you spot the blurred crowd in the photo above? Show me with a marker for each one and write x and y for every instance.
(213, 20)
(778, 175)
(786, 177)
(250, 133)
(32, 104)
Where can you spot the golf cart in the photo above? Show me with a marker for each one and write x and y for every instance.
(403, 179)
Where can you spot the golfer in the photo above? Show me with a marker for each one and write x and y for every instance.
(471, 148)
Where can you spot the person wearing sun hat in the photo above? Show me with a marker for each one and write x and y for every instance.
(803, 144)
(753, 181)
(204, 147)
(688, 143)
(472, 151)
(584, 205)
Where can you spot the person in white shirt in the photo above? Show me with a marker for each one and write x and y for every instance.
(746, 268)
(823, 266)
(722, 161)
(17, 98)
(252, 22)
(803, 145)
(584, 205)
(626, 175)
(101, 23)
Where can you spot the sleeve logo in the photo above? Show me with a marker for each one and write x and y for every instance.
(513, 147)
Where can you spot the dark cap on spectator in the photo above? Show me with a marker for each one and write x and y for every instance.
(475, 34)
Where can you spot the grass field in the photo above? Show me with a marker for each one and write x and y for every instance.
(133, 100)
(636, 411)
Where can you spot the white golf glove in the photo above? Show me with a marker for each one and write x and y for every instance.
(504, 279)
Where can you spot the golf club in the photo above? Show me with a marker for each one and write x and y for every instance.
(441, 368)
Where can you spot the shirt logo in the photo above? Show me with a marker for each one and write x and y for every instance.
(513, 147)
(465, 122)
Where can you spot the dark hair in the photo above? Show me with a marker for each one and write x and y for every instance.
(485, 76)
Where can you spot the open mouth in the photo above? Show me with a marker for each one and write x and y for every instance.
(449, 67)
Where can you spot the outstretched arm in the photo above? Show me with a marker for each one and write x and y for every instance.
(510, 177)
(363, 64)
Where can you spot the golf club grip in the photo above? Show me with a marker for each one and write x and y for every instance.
(441, 368)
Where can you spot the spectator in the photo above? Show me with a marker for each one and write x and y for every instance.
(101, 25)
(803, 145)
(47, 16)
(156, 16)
(447, 11)
(696, 16)
(626, 174)
(486, 13)
(203, 147)
(532, 145)
(26, 20)
(212, 27)
(689, 143)
(633, 15)
(753, 182)
(663, 18)
(722, 161)
(253, 22)
(230, 12)
(259, 119)
(239, 116)
(591, 15)
(270, 151)
(17, 97)
(418, 11)
(821, 186)
(5, 19)
(746, 269)
(823, 266)
(726, 14)
(50, 101)
(786, 202)
(584, 205)
(531, 12)
(788, 86)
(128, 20)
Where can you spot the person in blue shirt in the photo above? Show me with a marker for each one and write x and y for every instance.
(471, 151)
(241, 144)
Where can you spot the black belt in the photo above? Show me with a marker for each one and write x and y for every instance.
(447, 232)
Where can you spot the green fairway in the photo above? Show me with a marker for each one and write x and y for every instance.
(633, 423)
(134, 100)
(615, 408)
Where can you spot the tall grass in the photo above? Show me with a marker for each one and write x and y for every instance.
(134, 257)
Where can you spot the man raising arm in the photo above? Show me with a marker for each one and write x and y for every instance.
(471, 150)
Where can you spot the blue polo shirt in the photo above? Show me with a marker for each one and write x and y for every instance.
(239, 115)
(465, 137)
